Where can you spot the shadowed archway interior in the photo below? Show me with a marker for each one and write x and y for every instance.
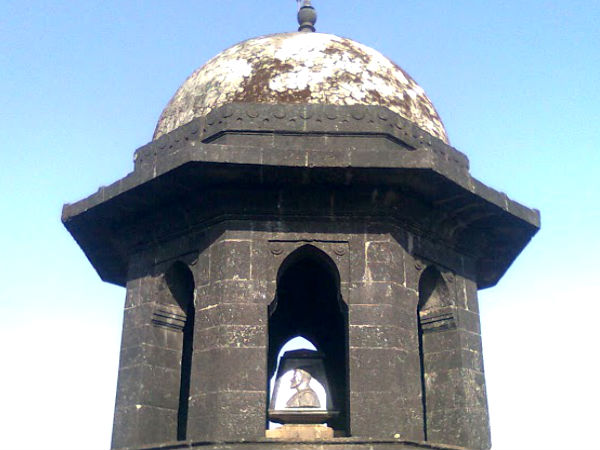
(180, 282)
(433, 297)
(308, 303)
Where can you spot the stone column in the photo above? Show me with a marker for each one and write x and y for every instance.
(456, 398)
(150, 361)
(228, 393)
(384, 367)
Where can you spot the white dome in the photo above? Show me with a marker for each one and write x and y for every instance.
(311, 68)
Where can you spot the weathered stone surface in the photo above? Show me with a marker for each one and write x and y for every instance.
(230, 260)
(254, 314)
(457, 428)
(384, 415)
(228, 402)
(240, 291)
(375, 369)
(149, 385)
(299, 432)
(384, 262)
(152, 355)
(468, 320)
(453, 340)
(377, 293)
(139, 425)
(224, 428)
(468, 390)
(380, 314)
(300, 68)
(231, 336)
(454, 359)
(153, 335)
(240, 369)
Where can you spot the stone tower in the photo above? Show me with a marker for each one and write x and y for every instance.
(300, 184)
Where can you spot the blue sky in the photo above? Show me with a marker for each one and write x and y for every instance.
(517, 84)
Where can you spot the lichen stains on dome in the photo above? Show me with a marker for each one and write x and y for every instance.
(300, 68)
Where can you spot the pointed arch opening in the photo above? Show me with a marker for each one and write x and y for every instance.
(308, 303)
(180, 282)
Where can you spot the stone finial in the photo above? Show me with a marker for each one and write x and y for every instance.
(307, 17)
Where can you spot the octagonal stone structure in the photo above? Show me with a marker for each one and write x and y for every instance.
(300, 184)
(228, 199)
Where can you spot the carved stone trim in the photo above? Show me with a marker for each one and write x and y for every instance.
(168, 319)
(355, 120)
(337, 250)
(324, 241)
(438, 320)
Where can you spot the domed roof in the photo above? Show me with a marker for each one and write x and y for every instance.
(300, 68)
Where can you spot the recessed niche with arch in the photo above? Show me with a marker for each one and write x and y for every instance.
(308, 304)
(181, 287)
(434, 314)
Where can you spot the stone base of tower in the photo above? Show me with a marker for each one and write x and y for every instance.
(333, 444)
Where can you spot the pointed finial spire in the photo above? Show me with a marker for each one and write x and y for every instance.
(307, 16)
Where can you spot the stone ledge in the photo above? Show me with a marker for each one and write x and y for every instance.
(300, 432)
(303, 119)
(272, 444)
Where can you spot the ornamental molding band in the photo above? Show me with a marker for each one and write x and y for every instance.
(324, 119)
(300, 185)
(439, 320)
(168, 319)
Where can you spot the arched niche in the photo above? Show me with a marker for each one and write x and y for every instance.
(180, 283)
(433, 291)
(433, 315)
(308, 303)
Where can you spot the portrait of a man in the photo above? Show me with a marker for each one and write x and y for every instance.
(305, 396)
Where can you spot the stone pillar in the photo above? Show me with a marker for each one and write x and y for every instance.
(384, 367)
(149, 367)
(228, 393)
(455, 387)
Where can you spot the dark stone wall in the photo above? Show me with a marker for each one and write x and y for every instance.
(228, 395)
(456, 406)
(383, 347)
(149, 368)
(235, 266)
